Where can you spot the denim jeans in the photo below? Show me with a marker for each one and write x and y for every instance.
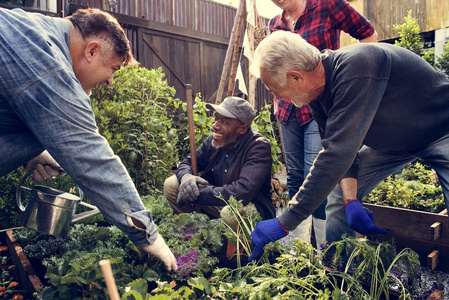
(375, 166)
(301, 146)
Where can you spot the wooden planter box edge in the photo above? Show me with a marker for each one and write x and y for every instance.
(27, 277)
(424, 232)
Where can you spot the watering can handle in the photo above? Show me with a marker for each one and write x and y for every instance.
(19, 193)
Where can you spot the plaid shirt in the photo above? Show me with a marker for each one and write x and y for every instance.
(320, 25)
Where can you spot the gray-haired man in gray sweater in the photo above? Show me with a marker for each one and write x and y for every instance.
(378, 107)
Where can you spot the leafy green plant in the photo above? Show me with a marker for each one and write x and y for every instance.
(202, 126)
(372, 263)
(246, 219)
(416, 188)
(298, 273)
(72, 263)
(193, 238)
(135, 115)
(10, 213)
(264, 125)
(429, 56)
(409, 37)
(203, 123)
(39, 246)
(196, 288)
(442, 62)
(158, 205)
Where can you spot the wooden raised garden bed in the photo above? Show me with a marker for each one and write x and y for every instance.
(27, 277)
(425, 233)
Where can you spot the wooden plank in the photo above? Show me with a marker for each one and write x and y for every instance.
(409, 223)
(422, 248)
(170, 29)
(28, 278)
(435, 230)
(436, 15)
(432, 260)
(436, 295)
(430, 14)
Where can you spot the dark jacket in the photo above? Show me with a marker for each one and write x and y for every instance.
(249, 176)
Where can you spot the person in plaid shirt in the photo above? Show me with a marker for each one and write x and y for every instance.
(319, 22)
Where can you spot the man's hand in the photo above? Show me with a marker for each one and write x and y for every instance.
(188, 190)
(160, 250)
(44, 167)
(360, 220)
(265, 232)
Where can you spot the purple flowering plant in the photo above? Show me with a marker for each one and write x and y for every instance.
(188, 262)
(194, 239)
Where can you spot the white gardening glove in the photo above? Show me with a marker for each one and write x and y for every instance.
(44, 167)
(160, 250)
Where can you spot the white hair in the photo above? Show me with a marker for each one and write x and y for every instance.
(281, 52)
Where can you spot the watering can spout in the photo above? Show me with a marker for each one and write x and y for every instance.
(85, 215)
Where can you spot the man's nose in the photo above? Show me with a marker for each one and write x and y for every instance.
(215, 125)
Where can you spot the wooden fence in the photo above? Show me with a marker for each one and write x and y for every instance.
(189, 38)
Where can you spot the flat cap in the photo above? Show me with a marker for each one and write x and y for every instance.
(235, 108)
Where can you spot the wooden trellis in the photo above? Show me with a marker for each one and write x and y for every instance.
(230, 67)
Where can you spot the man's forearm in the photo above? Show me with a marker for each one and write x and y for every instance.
(348, 189)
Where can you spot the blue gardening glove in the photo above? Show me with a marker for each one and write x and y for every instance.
(188, 190)
(360, 220)
(265, 232)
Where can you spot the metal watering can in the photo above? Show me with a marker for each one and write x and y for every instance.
(50, 210)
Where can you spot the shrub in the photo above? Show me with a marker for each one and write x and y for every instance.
(8, 206)
(135, 115)
(267, 128)
(409, 37)
(202, 125)
(442, 62)
(417, 187)
(429, 56)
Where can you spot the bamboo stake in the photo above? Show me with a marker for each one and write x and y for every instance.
(106, 269)
(235, 58)
(232, 40)
(252, 79)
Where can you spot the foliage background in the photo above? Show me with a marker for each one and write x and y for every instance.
(135, 115)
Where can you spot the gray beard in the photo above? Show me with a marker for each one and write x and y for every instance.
(230, 140)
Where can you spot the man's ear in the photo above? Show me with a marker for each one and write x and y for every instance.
(93, 48)
(295, 76)
(243, 129)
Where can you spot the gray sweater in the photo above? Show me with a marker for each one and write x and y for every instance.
(376, 94)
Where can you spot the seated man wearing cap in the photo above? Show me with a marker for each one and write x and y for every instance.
(233, 161)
